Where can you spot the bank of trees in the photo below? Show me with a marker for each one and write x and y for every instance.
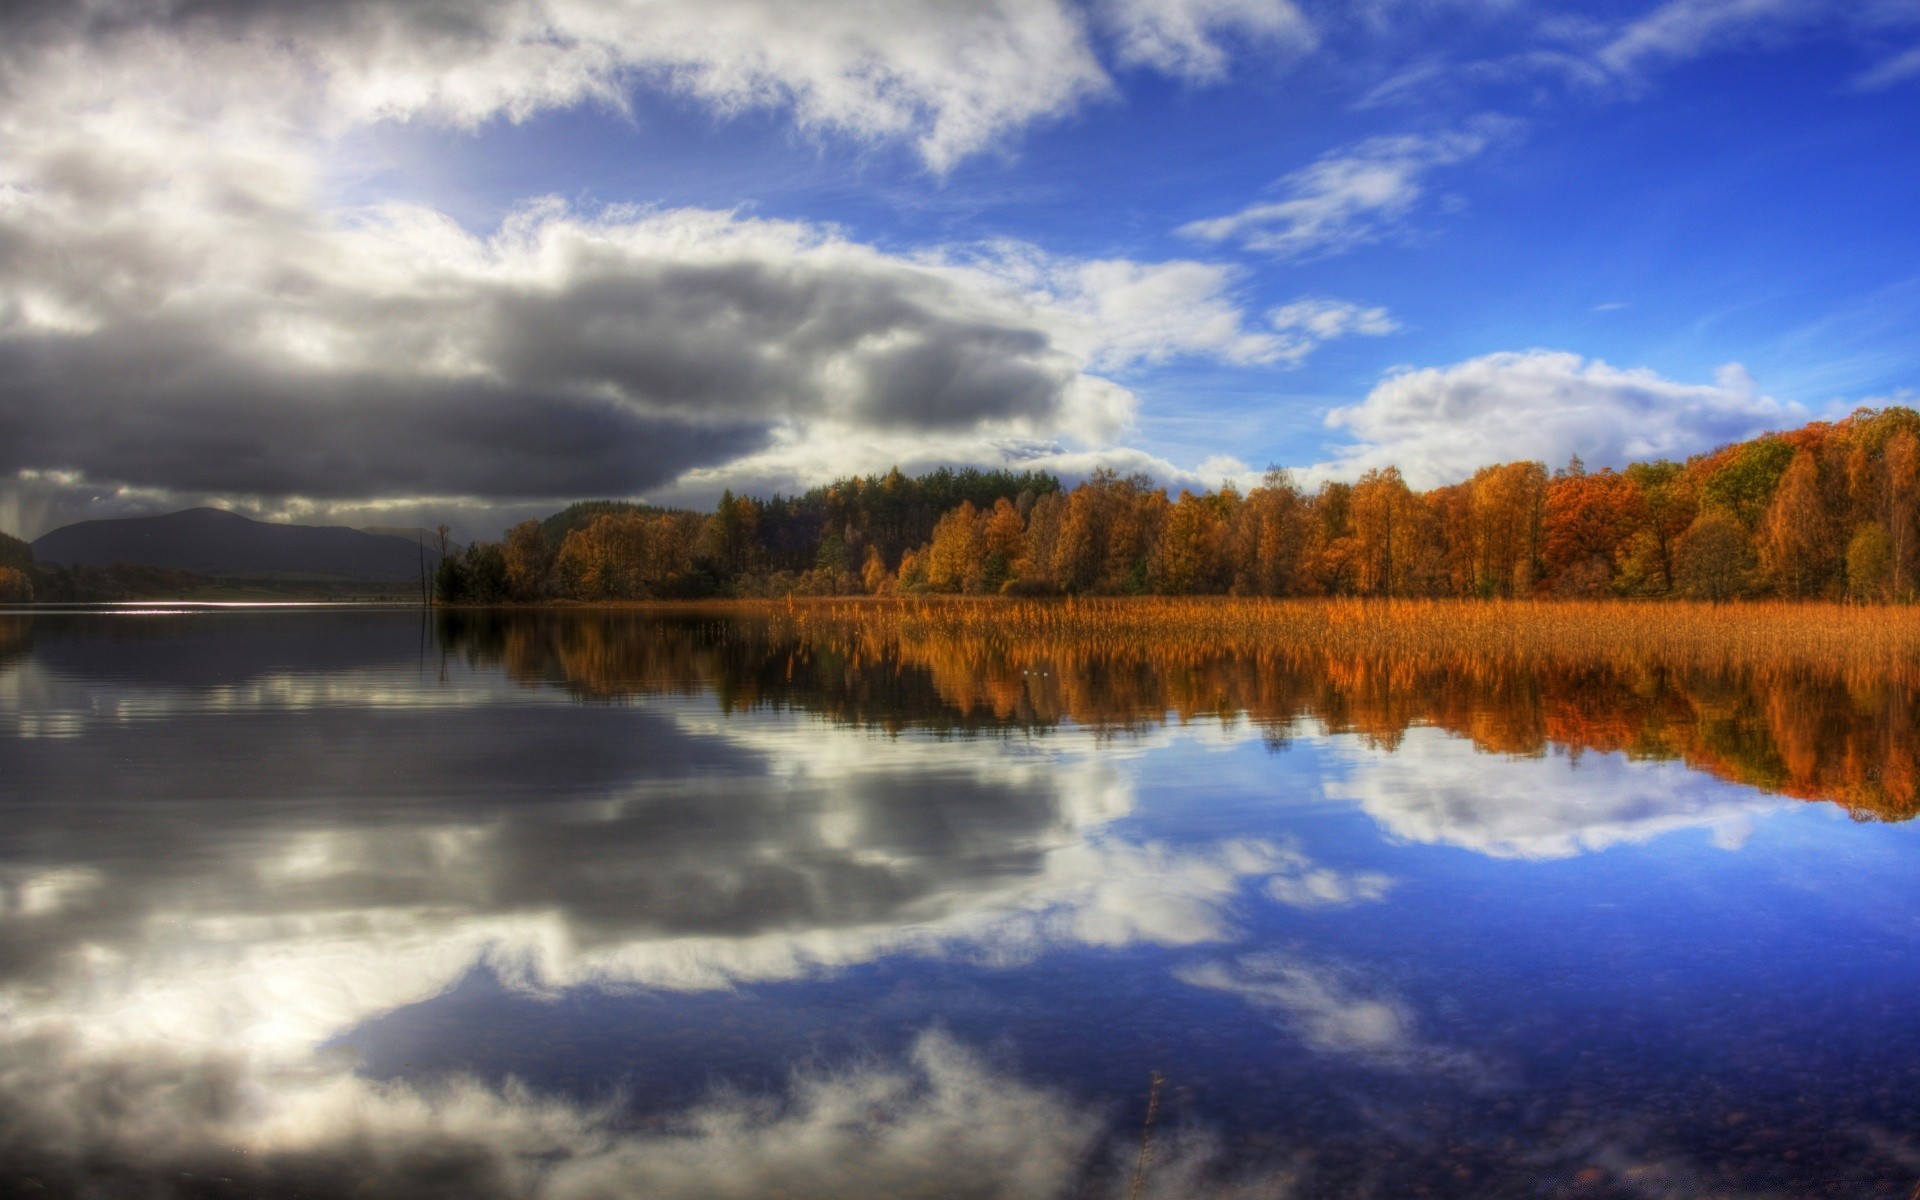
(1830, 510)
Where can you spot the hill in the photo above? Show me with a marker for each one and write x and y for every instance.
(213, 542)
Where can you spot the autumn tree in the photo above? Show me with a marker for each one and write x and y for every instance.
(1741, 480)
(1004, 539)
(1190, 554)
(1268, 538)
(1588, 521)
(1669, 503)
(1136, 512)
(955, 556)
(1508, 508)
(1713, 559)
(1383, 519)
(1330, 555)
(529, 561)
(1901, 507)
(873, 572)
(1796, 541)
(1869, 563)
(1034, 572)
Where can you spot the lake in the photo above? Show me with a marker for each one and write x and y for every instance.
(356, 902)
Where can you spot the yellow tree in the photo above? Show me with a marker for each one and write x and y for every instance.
(1268, 538)
(1901, 483)
(1382, 529)
(1509, 503)
(1187, 556)
(1044, 523)
(1796, 542)
(873, 573)
(955, 553)
(1451, 511)
(1136, 510)
(1080, 549)
(1005, 542)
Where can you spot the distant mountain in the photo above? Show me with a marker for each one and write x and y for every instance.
(413, 534)
(211, 541)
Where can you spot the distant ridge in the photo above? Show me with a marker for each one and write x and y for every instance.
(212, 541)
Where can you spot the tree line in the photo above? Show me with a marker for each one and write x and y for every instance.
(1830, 510)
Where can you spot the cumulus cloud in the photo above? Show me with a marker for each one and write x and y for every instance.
(1350, 196)
(1117, 313)
(398, 353)
(1439, 790)
(1438, 424)
(185, 315)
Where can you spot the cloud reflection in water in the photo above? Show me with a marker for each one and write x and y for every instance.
(178, 943)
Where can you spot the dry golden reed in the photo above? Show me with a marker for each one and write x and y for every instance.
(1830, 637)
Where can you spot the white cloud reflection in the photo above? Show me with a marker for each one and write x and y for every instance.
(1334, 1010)
(1438, 789)
(164, 1000)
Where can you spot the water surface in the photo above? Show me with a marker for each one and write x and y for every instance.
(349, 902)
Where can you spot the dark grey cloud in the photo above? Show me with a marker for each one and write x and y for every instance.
(187, 315)
(616, 377)
(190, 418)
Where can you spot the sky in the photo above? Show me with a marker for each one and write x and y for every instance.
(405, 261)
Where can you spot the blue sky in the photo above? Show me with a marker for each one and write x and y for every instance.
(1192, 237)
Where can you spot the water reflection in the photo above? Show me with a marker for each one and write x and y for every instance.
(1812, 734)
(277, 891)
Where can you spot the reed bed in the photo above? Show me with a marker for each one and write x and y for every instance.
(1840, 637)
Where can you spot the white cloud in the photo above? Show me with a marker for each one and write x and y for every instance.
(798, 456)
(1181, 37)
(953, 78)
(1305, 325)
(1351, 196)
(1438, 789)
(1117, 313)
(1439, 424)
(1681, 29)
(1895, 70)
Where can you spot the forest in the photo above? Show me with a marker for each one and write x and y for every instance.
(1827, 511)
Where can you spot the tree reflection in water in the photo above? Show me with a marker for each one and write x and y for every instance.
(1849, 736)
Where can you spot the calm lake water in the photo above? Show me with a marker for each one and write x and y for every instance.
(360, 903)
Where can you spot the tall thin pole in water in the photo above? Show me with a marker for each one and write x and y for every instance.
(1146, 1139)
